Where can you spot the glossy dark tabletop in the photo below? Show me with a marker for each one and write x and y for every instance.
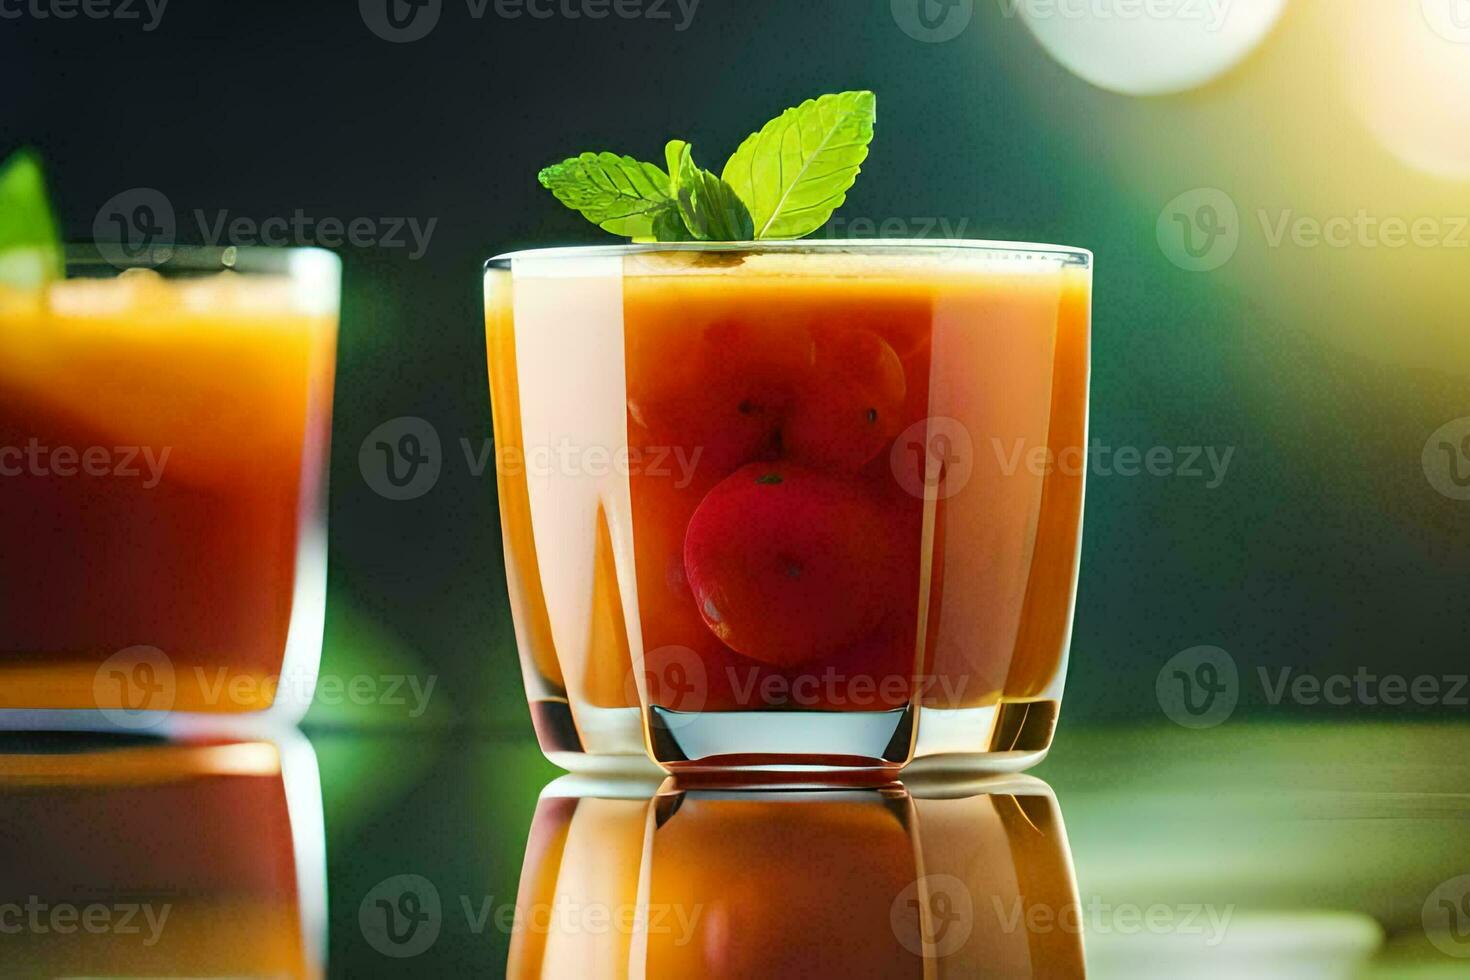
(1250, 850)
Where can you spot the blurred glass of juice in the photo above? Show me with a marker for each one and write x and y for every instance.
(163, 450)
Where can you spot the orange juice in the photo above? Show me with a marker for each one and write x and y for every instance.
(846, 480)
(162, 454)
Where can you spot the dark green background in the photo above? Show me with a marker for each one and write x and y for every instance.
(1325, 548)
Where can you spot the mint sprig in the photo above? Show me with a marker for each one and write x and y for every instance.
(711, 209)
(784, 182)
(798, 169)
(30, 245)
(616, 193)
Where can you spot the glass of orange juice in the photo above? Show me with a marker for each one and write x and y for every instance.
(793, 504)
(164, 429)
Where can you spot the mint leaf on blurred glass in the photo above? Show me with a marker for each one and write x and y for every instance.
(798, 168)
(711, 209)
(617, 193)
(30, 245)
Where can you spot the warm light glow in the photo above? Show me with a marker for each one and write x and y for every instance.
(1149, 47)
(1407, 68)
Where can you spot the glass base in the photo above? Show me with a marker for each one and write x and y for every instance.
(608, 742)
(768, 739)
(1001, 738)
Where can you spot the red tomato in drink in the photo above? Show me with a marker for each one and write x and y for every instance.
(712, 428)
(789, 564)
(853, 406)
(721, 399)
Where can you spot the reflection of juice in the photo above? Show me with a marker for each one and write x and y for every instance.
(161, 453)
(883, 882)
(785, 888)
(185, 852)
(583, 857)
(850, 480)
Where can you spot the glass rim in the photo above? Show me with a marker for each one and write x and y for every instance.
(166, 258)
(1068, 254)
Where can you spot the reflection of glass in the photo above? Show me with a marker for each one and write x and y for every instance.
(805, 504)
(163, 447)
(925, 881)
(149, 858)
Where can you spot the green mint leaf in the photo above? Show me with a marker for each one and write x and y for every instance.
(30, 245)
(711, 209)
(798, 168)
(669, 227)
(617, 193)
